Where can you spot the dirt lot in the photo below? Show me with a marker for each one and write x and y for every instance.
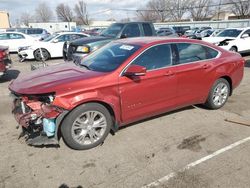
(137, 155)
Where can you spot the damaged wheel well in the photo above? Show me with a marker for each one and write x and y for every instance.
(61, 118)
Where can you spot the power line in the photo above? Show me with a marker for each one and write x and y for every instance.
(184, 8)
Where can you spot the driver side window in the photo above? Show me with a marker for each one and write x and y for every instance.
(155, 57)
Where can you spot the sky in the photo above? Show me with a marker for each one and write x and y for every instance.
(97, 9)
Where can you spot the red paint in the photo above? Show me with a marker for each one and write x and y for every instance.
(134, 98)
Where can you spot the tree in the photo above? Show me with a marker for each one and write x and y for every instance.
(200, 9)
(241, 8)
(26, 18)
(81, 13)
(162, 10)
(64, 13)
(43, 13)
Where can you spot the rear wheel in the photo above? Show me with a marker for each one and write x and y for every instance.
(87, 126)
(45, 53)
(218, 95)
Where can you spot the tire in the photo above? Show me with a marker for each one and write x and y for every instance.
(79, 130)
(233, 49)
(218, 94)
(37, 54)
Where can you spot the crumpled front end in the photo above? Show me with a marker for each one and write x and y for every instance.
(37, 116)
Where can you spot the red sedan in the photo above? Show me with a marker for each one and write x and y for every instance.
(123, 82)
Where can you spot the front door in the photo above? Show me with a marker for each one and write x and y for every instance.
(142, 96)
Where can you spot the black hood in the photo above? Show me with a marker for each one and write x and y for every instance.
(88, 40)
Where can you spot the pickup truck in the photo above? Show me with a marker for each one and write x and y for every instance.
(5, 62)
(77, 49)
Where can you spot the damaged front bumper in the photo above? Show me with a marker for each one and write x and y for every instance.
(38, 118)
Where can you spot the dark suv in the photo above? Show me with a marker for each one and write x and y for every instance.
(77, 49)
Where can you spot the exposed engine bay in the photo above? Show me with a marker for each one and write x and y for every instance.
(225, 42)
(37, 117)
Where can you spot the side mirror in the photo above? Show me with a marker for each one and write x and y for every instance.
(245, 36)
(135, 70)
(123, 36)
(55, 41)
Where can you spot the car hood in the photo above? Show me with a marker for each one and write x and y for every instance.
(58, 78)
(88, 40)
(217, 39)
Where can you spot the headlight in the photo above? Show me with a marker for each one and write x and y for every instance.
(83, 49)
(23, 48)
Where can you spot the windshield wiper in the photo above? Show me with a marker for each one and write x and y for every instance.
(86, 66)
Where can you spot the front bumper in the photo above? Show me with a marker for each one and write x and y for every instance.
(26, 54)
(39, 121)
(77, 57)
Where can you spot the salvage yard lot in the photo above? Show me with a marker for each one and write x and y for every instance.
(138, 154)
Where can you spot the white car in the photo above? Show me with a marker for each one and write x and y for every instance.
(50, 47)
(233, 39)
(15, 39)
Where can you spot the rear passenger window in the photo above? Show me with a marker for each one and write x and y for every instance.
(194, 52)
(147, 29)
(155, 57)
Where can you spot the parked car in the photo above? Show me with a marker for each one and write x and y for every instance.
(234, 39)
(123, 82)
(77, 49)
(94, 31)
(15, 39)
(191, 31)
(167, 32)
(5, 61)
(38, 33)
(180, 30)
(50, 47)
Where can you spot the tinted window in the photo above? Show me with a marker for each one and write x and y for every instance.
(74, 37)
(4, 36)
(247, 32)
(63, 38)
(230, 33)
(16, 36)
(194, 52)
(34, 31)
(147, 29)
(113, 30)
(109, 57)
(155, 57)
(131, 30)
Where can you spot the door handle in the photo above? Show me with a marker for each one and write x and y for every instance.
(206, 66)
(169, 73)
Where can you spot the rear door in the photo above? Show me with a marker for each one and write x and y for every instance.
(142, 96)
(194, 72)
(16, 40)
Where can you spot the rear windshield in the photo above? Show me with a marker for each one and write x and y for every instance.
(230, 33)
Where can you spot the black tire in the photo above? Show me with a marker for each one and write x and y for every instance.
(233, 49)
(68, 122)
(210, 103)
(37, 54)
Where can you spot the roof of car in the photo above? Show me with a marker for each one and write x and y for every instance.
(15, 32)
(147, 41)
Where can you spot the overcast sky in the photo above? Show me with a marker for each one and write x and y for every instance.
(16, 7)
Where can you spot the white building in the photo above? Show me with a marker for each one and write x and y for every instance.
(54, 26)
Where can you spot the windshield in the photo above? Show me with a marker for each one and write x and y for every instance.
(109, 57)
(50, 37)
(113, 30)
(230, 33)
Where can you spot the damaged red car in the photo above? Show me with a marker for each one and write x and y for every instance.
(123, 82)
(5, 62)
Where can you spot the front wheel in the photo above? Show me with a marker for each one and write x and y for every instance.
(218, 94)
(45, 53)
(86, 126)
